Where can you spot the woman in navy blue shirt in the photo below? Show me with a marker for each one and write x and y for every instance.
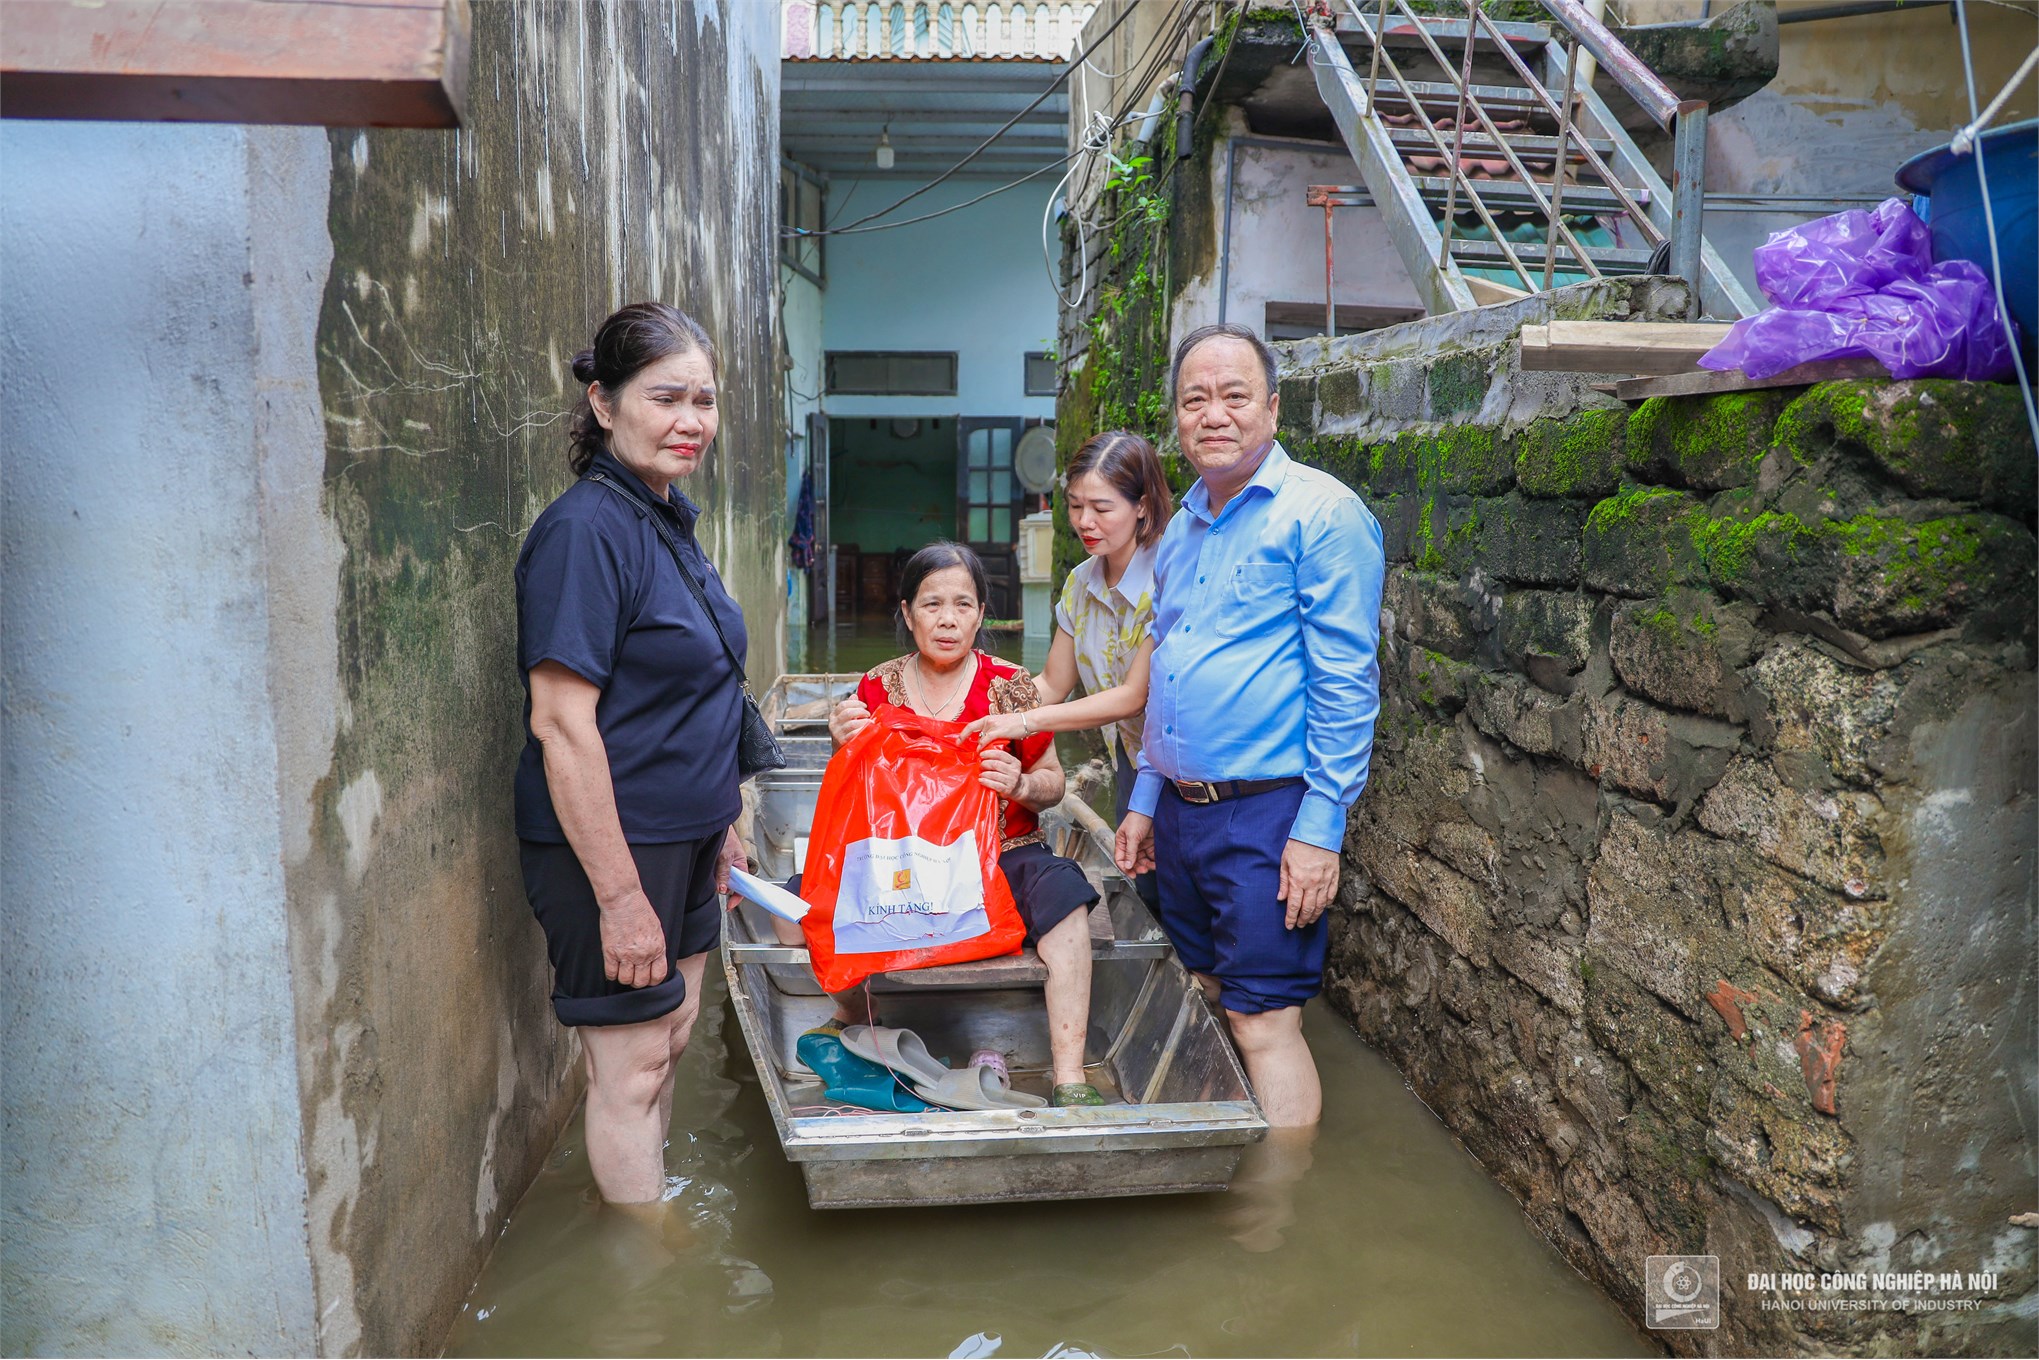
(627, 790)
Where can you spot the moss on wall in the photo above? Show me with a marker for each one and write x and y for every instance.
(1667, 697)
(1121, 381)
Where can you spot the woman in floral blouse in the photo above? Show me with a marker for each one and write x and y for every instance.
(1118, 504)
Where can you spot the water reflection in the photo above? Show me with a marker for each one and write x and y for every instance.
(1377, 1237)
(1262, 1199)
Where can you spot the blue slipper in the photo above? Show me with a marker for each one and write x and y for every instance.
(853, 1080)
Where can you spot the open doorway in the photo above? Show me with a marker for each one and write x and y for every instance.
(897, 483)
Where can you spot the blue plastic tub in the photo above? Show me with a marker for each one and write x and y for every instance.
(1956, 219)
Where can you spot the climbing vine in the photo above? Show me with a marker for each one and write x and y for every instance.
(1128, 329)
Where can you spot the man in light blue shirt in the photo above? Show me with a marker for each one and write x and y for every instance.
(1261, 701)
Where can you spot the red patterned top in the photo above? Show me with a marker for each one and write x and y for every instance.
(998, 687)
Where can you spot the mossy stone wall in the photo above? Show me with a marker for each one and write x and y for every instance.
(1693, 887)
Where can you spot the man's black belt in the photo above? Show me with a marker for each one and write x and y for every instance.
(1201, 791)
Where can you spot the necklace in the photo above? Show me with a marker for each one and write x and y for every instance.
(962, 686)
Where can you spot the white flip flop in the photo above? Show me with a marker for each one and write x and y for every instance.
(975, 1088)
(899, 1049)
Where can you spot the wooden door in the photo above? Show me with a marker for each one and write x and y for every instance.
(988, 503)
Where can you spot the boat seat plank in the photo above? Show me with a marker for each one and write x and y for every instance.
(1026, 966)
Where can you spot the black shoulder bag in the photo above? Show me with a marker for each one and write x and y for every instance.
(757, 750)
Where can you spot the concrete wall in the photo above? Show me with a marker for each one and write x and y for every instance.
(154, 1193)
(1276, 252)
(261, 887)
(800, 303)
(1693, 886)
(614, 152)
(972, 282)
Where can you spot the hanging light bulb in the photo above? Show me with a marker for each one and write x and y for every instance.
(885, 149)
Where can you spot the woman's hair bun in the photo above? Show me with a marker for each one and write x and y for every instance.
(584, 366)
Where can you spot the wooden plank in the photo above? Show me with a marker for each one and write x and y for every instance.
(1705, 382)
(328, 63)
(1654, 348)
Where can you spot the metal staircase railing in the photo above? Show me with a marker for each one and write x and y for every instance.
(1594, 169)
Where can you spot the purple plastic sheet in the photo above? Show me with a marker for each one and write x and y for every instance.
(1864, 284)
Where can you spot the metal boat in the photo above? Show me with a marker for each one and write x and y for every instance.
(1180, 1116)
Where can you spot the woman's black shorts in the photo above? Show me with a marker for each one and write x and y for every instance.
(678, 877)
(1045, 887)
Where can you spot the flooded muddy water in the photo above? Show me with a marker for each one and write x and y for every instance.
(1382, 1237)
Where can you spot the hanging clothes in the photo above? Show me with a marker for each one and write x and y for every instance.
(801, 544)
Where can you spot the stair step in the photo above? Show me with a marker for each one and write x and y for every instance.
(1513, 196)
(1444, 95)
(1487, 255)
(1533, 147)
(1447, 32)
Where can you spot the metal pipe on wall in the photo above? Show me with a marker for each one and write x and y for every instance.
(1185, 95)
(1688, 197)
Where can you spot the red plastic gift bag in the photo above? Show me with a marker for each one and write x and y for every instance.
(902, 860)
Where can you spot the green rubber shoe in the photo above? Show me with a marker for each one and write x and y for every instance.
(1074, 1093)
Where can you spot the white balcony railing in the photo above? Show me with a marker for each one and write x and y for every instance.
(878, 30)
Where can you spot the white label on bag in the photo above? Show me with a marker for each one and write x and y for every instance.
(909, 894)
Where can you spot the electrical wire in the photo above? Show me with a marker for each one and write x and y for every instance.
(1966, 137)
(1010, 123)
(1110, 75)
(855, 229)
(1096, 139)
(1989, 222)
(843, 206)
(1148, 63)
(954, 207)
(1158, 53)
(1196, 116)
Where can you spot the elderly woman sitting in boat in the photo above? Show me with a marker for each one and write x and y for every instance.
(941, 597)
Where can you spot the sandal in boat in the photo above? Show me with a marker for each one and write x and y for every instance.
(993, 1059)
(975, 1088)
(899, 1049)
(851, 1080)
(1073, 1093)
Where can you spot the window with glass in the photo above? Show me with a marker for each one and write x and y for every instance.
(988, 487)
(1040, 375)
(891, 373)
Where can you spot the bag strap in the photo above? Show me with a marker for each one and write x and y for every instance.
(700, 595)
